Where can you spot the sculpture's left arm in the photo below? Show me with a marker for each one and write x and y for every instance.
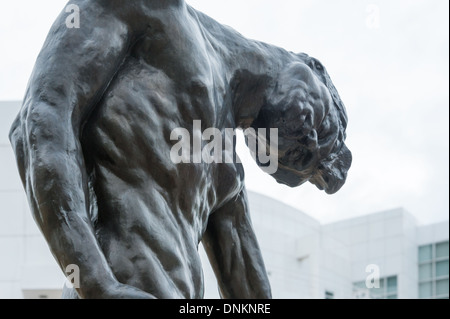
(234, 253)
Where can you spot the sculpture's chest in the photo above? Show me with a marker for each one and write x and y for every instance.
(178, 48)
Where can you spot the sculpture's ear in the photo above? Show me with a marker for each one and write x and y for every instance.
(322, 73)
(248, 96)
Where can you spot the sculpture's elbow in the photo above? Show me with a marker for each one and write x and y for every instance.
(16, 138)
(15, 134)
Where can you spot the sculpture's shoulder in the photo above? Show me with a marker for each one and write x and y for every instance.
(156, 4)
(132, 11)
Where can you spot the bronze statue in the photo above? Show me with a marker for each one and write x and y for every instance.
(93, 145)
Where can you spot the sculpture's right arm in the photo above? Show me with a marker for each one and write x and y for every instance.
(72, 72)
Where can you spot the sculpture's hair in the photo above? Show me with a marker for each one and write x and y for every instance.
(307, 150)
(323, 75)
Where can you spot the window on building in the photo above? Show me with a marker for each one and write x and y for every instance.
(425, 253)
(391, 286)
(442, 268)
(388, 289)
(329, 295)
(425, 272)
(434, 271)
(425, 290)
(442, 250)
(442, 288)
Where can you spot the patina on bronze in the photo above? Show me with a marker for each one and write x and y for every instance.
(93, 144)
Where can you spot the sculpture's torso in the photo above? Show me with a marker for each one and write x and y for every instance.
(151, 212)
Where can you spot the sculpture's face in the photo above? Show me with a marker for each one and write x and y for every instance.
(311, 122)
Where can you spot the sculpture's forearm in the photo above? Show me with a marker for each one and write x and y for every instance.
(56, 187)
(234, 253)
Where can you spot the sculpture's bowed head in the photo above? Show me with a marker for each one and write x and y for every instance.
(311, 118)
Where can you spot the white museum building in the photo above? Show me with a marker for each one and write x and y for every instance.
(387, 255)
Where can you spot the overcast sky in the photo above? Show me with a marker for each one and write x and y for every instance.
(389, 60)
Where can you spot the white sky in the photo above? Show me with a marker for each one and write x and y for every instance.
(393, 78)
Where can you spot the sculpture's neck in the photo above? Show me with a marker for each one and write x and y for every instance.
(251, 66)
